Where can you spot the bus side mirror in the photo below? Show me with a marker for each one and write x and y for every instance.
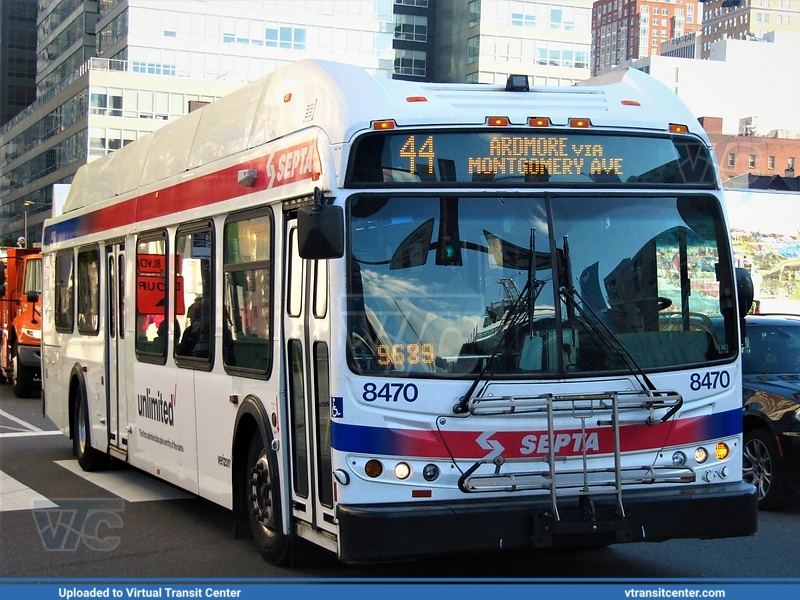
(320, 232)
(744, 291)
(32, 297)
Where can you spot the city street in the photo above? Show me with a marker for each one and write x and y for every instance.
(149, 529)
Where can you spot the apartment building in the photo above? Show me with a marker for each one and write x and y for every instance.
(744, 19)
(483, 41)
(630, 29)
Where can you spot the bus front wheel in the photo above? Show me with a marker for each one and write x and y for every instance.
(89, 458)
(264, 503)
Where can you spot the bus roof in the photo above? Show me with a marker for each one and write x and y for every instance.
(344, 99)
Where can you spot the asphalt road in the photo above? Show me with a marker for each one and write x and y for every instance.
(158, 531)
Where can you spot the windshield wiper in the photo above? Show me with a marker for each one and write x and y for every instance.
(522, 307)
(574, 301)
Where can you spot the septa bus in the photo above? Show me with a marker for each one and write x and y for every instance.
(404, 319)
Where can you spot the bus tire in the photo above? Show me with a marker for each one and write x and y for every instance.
(90, 459)
(762, 467)
(21, 376)
(264, 503)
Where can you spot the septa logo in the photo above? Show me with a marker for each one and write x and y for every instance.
(293, 164)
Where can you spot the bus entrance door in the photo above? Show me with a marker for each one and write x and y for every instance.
(306, 325)
(115, 359)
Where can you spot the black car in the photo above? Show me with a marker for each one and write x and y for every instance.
(771, 390)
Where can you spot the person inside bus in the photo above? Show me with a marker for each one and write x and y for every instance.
(195, 339)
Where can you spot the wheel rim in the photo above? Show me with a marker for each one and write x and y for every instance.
(757, 465)
(261, 495)
(81, 428)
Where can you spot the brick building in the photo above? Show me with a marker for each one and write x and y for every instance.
(754, 155)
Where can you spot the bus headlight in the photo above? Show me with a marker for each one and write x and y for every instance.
(430, 472)
(402, 470)
(678, 459)
(701, 455)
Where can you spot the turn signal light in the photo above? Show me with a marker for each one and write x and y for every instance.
(722, 450)
(373, 468)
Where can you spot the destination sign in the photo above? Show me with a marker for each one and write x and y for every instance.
(572, 157)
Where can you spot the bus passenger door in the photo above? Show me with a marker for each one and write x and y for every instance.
(307, 338)
(115, 359)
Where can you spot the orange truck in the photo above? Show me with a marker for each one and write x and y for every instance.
(21, 319)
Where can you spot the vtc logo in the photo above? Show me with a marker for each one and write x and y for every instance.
(62, 528)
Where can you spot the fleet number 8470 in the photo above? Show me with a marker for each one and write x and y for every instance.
(710, 380)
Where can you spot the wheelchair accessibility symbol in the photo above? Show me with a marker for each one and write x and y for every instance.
(337, 411)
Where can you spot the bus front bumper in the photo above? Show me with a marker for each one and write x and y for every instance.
(408, 530)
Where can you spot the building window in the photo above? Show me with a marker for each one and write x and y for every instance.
(731, 159)
(284, 37)
(473, 49)
(410, 62)
(423, 3)
(771, 162)
(752, 162)
(411, 27)
(790, 163)
(474, 12)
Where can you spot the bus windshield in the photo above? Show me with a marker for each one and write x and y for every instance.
(444, 285)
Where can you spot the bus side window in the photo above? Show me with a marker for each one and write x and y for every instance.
(151, 296)
(64, 292)
(247, 294)
(88, 298)
(194, 295)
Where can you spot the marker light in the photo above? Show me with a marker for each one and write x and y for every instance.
(701, 455)
(676, 128)
(630, 103)
(580, 123)
(382, 125)
(373, 468)
(498, 121)
(287, 97)
(402, 470)
(539, 122)
(430, 472)
(678, 459)
(722, 450)
(416, 99)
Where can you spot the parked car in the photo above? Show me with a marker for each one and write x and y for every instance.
(771, 391)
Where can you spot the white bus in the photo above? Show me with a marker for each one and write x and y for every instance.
(403, 319)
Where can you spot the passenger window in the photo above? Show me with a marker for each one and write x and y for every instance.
(151, 297)
(64, 292)
(247, 295)
(89, 291)
(194, 295)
